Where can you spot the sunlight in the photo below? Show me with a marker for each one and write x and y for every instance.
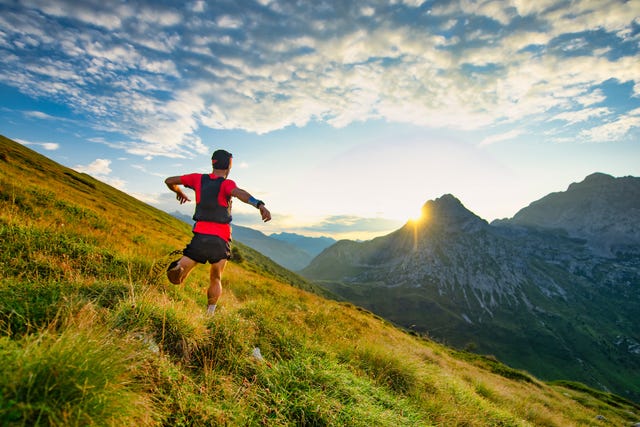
(420, 217)
(416, 221)
(415, 218)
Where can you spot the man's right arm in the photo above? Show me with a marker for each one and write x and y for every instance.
(173, 183)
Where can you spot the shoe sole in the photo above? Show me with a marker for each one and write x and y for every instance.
(174, 274)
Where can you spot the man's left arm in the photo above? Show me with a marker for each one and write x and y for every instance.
(244, 196)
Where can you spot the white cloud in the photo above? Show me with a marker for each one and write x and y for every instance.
(368, 11)
(527, 7)
(227, 21)
(101, 170)
(118, 183)
(501, 137)
(497, 11)
(572, 117)
(85, 12)
(512, 43)
(49, 146)
(144, 169)
(413, 3)
(614, 130)
(150, 199)
(40, 115)
(155, 16)
(99, 167)
(198, 6)
(591, 98)
(611, 15)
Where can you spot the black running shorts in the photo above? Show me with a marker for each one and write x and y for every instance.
(205, 248)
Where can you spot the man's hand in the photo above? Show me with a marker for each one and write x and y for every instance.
(181, 197)
(264, 212)
(173, 183)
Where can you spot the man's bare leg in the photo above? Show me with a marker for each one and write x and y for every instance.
(215, 285)
(181, 270)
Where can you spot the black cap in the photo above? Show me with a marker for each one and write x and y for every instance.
(221, 159)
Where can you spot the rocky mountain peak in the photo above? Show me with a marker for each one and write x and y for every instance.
(593, 182)
(601, 209)
(447, 211)
(597, 178)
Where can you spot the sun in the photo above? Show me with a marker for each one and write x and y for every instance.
(420, 217)
(414, 219)
(417, 217)
(412, 214)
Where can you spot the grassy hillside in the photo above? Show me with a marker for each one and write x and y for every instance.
(92, 333)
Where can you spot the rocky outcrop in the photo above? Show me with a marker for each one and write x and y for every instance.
(603, 210)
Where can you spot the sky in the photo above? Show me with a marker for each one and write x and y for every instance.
(345, 117)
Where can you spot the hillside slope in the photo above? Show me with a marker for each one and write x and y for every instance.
(92, 334)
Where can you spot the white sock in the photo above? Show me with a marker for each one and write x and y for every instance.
(211, 309)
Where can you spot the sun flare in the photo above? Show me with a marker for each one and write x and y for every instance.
(416, 218)
(419, 217)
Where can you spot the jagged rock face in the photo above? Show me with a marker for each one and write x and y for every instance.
(453, 254)
(602, 209)
(530, 293)
(449, 213)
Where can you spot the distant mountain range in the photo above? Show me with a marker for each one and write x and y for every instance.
(554, 290)
(290, 250)
(311, 245)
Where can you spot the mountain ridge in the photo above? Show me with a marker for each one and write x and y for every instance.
(449, 211)
(311, 245)
(601, 209)
(505, 288)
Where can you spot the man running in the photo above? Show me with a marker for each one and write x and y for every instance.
(212, 229)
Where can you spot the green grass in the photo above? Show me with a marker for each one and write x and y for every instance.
(75, 377)
(493, 365)
(91, 333)
(596, 398)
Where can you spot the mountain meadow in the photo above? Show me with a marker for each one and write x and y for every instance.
(92, 333)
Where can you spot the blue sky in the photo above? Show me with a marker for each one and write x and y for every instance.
(345, 117)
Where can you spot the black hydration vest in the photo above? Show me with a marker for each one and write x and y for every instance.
(208, 209)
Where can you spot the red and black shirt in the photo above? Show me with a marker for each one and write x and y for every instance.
(213, 214)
